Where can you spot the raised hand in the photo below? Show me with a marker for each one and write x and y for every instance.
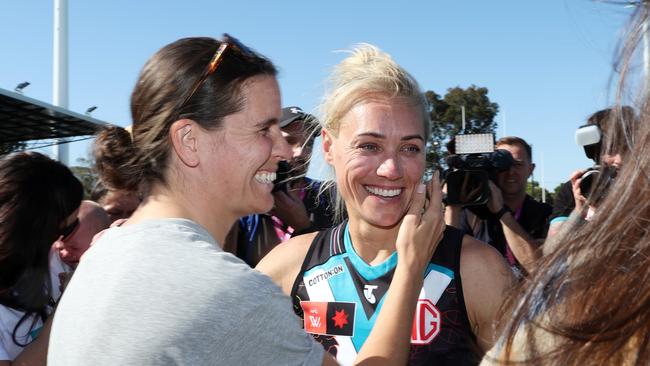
(422, 227)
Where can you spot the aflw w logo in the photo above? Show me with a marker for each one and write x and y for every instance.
(315, 320)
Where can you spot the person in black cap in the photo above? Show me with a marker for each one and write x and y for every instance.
(298, 208)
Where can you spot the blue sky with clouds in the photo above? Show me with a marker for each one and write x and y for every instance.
(546, 63)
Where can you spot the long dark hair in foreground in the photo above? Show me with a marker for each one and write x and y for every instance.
(588, 302)
(37, 195)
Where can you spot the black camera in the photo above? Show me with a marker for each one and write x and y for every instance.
(595, 182)
(474, 164)
(282, 176)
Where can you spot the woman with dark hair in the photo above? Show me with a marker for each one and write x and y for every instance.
(159, 289)
(588, 302)
(39, 199)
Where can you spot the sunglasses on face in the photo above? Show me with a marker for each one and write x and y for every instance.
(227, 43)
(67, 231)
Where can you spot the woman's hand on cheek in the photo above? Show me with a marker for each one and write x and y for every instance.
(422, 227)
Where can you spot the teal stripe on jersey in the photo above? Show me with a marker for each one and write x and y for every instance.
(367, 271)
(444, 270)
(340, 284)
(341, 287)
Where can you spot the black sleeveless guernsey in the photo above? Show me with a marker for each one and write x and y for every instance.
(338, 296)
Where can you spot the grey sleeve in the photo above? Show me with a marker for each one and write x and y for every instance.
(271, 335)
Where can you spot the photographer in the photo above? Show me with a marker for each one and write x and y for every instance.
(511, 221)
(571, 199)
(298, 207)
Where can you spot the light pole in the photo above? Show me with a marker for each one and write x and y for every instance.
(60, 69)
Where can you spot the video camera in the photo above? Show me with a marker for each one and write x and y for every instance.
(474, 162)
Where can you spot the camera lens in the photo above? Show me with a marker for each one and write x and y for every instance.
(587, 181)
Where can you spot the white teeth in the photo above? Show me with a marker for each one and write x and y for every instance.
(265, 177)
(384, 192)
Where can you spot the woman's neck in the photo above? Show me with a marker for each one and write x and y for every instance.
(162, 202)
(372, 243)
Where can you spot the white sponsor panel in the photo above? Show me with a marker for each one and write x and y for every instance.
(434, 286)
(427, 321)
(319, 290)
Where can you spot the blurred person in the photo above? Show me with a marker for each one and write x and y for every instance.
(92, 219)
(570, 198)
(39, 199)
(588, 301)
(118, 203)
(204, 151)
(109, 155)
(514, 222)
(374, 131)
(299, 206)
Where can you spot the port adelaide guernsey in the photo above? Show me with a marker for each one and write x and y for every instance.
(339, 296)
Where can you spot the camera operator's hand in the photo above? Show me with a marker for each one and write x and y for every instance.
(578, 198)
(290, 209)
(452, 211)
(495, 203)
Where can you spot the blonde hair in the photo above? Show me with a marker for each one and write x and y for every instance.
(368, 71)
(364, 74)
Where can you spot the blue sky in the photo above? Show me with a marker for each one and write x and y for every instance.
(546, 63)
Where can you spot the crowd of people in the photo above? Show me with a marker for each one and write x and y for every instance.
(204, 243)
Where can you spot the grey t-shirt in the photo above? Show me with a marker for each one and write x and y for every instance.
(162, 292)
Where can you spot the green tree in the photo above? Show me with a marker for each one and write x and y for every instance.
(533, 189)
(86, 174)
(446, 118)
(557, 189)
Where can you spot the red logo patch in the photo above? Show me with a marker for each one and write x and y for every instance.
(340, 319)
(328, 318)
(315, 313)
(426, 323)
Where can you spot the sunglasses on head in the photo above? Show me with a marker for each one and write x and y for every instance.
(67, 231)
(227, 43)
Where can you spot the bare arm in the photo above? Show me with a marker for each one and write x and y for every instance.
(283, 263)
(523, 246)
(486, 279)
(419, 235)
(389, 340)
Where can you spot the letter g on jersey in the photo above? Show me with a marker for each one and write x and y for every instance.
(426, 322)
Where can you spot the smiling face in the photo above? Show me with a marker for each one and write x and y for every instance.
(378, 157)
(512, 182)
(239, 159)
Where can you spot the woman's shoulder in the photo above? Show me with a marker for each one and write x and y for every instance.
(283, 263)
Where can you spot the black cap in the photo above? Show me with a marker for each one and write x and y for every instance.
(291, 114)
